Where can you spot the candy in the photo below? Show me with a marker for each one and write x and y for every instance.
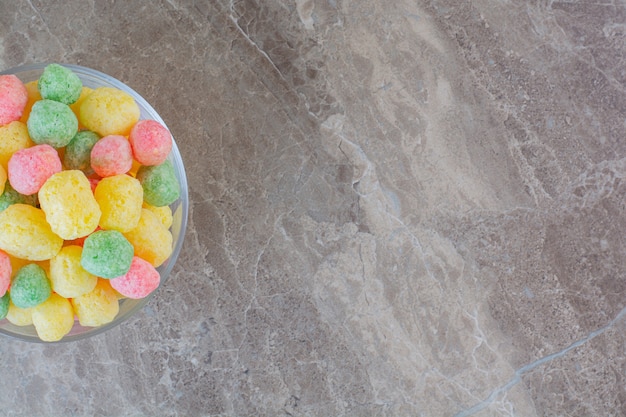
(78, 152)
(97, 307)
(30, 286)
(107, 254)
(5, 300)
(51, 122)
(109, 111)
(151, 240)
(13, 137)
(67, 277)
(164, 213)
(83, 95)
(120, 198)
(59, 83)
(10, 196)
(13, 98)
(19, 316)
(151, 142)
(30, 168)
(25, 233)
(69, 205)
(53, 319)
(160, 186)
(6, 270)
(140, 280)
(111, 155)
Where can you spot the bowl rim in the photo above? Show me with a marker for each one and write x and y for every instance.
(180, 210)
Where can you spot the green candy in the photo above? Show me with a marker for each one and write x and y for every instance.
(51, 122)
(159, 183)
(30, 286)
(10, 196)
(4, 305)
(59, 84)
(107, 254)
(78, 151)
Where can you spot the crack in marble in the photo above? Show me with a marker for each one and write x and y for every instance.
(531, 366)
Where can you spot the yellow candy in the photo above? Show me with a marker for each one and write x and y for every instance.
(109, 111)
(83, 95)
(120, 198)
(33, 96)
(164, 214)
(53, 319)
(70, 207)
(19, 316)
(152, 241)
(24, 233)
(13, 137)
(97, 307)
(3, 179)
(68, 278)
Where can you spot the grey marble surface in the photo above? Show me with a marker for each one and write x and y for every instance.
(398, 208)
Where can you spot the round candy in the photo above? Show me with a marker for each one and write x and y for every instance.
(13, 98)
(5, 300)
(13, 137)
(30, 286)
(19, 316)
(164, 213)
(59, 83)
(120, 198)
(78, 151)
(160, 186)
(30, 168)
(140, 280)
(53, 319)
(107, 254)
(151, 240)
(151, 142)
(6, 270)
(70, 207)
(109, 111)
(111, 155)
(98, 307)
(67, 277)
(52, 122)
(25, 233)
(10, 196)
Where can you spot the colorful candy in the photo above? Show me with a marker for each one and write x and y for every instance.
(59, 83)
(160, 186)
(25, 233)
(53, 319)
(107, 254)
(29, 168)
(109, 111)
(69, 205)
(120, 198)
(30, 286)
(13, 98)
(84, 219)
(51, 122)
(111, 155)
(140, 280)
(97, 307)
(151, 142)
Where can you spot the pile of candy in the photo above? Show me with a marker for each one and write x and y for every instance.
(85, 189)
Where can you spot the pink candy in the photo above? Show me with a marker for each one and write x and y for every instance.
(111, 155)
(151, 142)
(5, 272)
(13, 98)
(139, 281)
(29, 168)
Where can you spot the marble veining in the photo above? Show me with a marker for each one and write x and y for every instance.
(407, 208)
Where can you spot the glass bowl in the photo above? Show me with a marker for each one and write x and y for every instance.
(128, 307)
